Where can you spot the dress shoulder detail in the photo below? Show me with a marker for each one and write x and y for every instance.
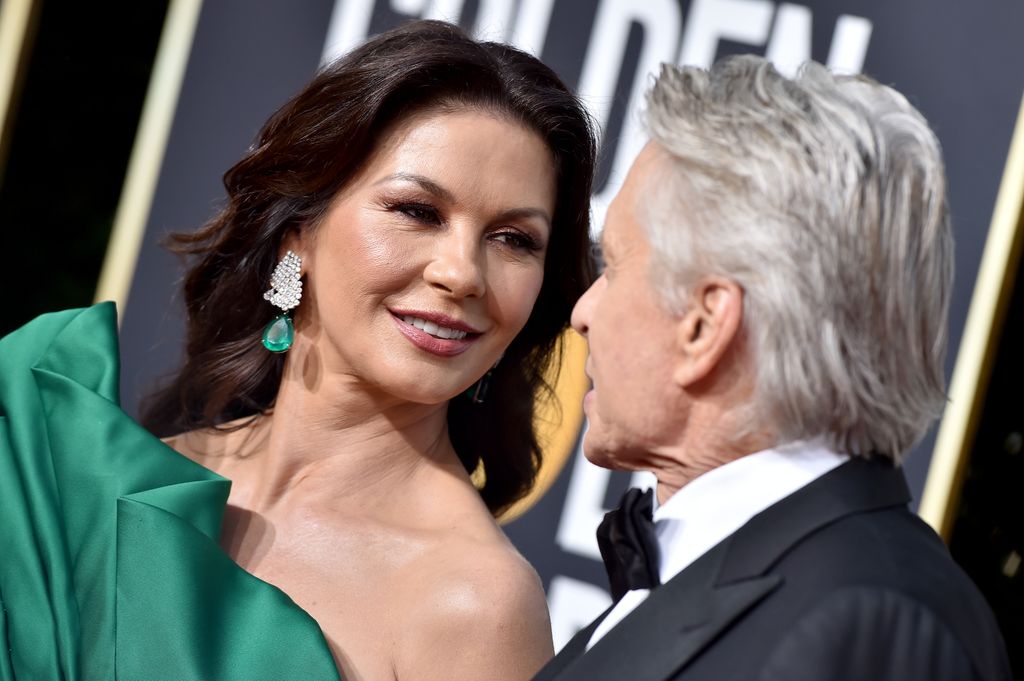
(112, 567)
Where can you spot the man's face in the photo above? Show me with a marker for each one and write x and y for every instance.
(633, 407)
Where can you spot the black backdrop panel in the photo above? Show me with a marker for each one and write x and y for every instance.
(958, 62)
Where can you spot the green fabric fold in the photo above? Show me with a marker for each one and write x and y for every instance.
(109, 559)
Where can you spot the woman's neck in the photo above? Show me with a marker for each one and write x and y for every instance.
(338, 442)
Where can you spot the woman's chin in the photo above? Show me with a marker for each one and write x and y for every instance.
(436, 396)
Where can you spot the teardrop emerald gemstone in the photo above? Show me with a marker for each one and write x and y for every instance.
(279, 334)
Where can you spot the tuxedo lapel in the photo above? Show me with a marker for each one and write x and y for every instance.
(858, 486)
(685, 615)
(664, 632)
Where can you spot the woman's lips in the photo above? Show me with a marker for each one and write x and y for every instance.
(437, 318)
(443, 347)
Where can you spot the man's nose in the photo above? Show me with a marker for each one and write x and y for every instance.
(581, 312)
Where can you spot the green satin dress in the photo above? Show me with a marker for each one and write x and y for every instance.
(109, 562)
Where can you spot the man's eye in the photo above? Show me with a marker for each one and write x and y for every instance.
(597, 253)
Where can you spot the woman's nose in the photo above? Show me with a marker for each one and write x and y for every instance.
(457, 266)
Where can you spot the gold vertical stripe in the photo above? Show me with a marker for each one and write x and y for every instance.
(148, 152)
(16, 20)
(978, 345)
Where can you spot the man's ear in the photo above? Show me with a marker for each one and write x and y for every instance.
(708, 328)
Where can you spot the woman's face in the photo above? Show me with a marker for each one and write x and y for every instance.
(428, 263)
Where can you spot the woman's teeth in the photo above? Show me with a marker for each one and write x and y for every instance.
(434, 329)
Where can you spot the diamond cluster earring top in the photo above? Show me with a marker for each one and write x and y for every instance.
(285, 292)
(285, 285)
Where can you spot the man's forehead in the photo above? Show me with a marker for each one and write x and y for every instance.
(616, 237)
(611, 241)
(627, 202)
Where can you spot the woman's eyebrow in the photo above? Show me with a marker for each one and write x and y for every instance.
(437, 190)
(519, 213)
(426, 184)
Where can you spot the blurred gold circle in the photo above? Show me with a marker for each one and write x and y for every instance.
(558, 420)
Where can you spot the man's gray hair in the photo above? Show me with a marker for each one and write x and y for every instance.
(824, 198)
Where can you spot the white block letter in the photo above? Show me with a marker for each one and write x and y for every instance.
(584, 508)
(602, 71)
(849, 44)
(790, 45)
(745, 21)
(574, 605)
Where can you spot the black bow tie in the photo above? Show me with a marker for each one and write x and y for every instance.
(629, 546)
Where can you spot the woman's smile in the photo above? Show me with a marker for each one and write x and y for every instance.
(436, 333)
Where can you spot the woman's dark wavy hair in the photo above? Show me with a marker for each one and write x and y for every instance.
(305, 153)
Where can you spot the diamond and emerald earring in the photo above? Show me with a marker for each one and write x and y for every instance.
(477, 393)
(285, 292)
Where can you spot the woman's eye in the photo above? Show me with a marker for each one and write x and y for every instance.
(417, 211)
(517, 240)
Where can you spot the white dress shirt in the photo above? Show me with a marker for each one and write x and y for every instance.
(714, 505)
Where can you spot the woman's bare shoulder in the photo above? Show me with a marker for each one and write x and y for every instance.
(212, 447)
(476, 611)
(467, 566)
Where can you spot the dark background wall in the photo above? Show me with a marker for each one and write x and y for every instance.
(84, 79)
(70, 131)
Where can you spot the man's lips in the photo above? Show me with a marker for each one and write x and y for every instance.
(588, 397)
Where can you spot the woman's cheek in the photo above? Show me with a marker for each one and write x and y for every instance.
(519, 293)
(378, 252)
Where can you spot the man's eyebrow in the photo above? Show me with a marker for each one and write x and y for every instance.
(425, 183)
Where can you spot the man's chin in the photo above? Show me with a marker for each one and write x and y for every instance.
(605, 452)
(599, 453)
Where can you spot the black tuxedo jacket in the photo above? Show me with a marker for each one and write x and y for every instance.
(838, 581)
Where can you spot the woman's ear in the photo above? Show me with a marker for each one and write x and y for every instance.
(707, 329)
(296, 241)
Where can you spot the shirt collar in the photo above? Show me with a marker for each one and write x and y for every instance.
(715, 504)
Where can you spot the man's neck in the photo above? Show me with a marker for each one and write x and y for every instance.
(707, 444)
